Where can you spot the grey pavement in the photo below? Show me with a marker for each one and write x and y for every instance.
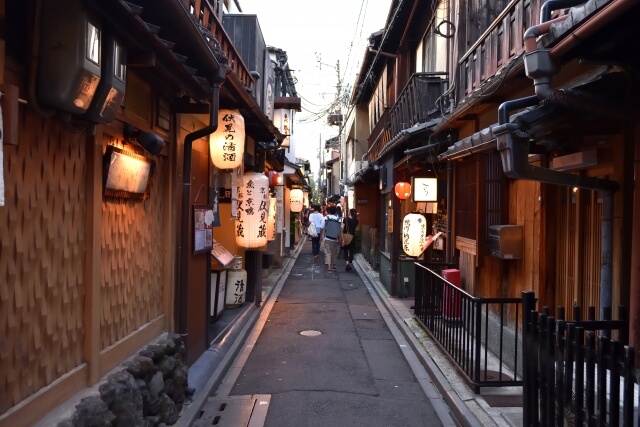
(335, 349)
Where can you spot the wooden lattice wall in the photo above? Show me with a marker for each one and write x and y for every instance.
(132, 259)
(42, 247)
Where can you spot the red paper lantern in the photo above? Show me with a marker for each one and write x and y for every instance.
(403, 190)
(275, 178)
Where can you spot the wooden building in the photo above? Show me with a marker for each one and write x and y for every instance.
(535, 135)
(98, 96)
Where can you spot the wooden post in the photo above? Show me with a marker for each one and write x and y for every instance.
(93, 266)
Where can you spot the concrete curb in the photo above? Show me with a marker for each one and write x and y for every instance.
(460, 411)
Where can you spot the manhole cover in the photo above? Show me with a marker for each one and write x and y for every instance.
(310, 333)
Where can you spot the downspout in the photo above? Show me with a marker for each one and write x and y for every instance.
(514, 151)
(449, 244)
(183, 283)
(606, 252)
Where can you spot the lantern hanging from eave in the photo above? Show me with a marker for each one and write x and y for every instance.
(296, 197)
(403, 190)
(252, 211)
(271, 222)
(275, 178)
(226, 144)
(414, 234)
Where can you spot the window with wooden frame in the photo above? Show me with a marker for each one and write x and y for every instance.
(481, 197)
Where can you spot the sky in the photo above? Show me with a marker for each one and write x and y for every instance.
(316, 36)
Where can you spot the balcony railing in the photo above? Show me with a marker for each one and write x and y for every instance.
(497, 47)
(380, 137)
(204, 13)
(416, 104)
(417, 101)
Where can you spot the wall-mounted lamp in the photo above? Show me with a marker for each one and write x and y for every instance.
(151, 142)
(70, 56)
(110, 92)
(282, 120)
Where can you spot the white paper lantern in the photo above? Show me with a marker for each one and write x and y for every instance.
(271, 223)
(236, 287)
(296, 197)
(414, 234)
(226, 144)
(253, 210)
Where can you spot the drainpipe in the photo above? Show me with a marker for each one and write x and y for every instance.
(551, 5)
(449, 243)
(182, 290)
(602, 17)
(606, 252)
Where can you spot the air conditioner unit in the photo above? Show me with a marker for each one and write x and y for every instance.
(360, 165)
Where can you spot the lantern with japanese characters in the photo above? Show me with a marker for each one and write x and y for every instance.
(402, 190)
(414, 234)
(271, 222)
(296, 197)
(236, 285)
(252, 211)
(226, 144)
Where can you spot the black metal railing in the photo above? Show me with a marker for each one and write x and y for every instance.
(574, 374)
(369, 245)
(474, 332)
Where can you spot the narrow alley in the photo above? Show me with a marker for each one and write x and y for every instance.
(323, 354)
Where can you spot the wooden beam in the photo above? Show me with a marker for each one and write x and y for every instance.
(112, 356)
(36, 406)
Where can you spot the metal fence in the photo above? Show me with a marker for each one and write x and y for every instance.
(574, 374)
(472, 331)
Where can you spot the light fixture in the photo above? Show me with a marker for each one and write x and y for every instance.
(271, 222)
(110, 92)
(236, 285)
(226, 144)
(253, 210)
(296, 197)
(403, 190)
(275, 178)
(282, 120)
(69, 57)
(414, 234)
(151, 142)
(424, 189)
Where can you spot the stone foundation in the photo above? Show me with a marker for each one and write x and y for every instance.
(149, 391)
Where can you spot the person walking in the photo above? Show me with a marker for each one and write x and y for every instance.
(331, 236)
(318, 220)
(350, 224)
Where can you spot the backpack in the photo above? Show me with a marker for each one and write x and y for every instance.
(311, 229)
(332, 228)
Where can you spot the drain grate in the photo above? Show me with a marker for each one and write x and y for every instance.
(234, 411)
